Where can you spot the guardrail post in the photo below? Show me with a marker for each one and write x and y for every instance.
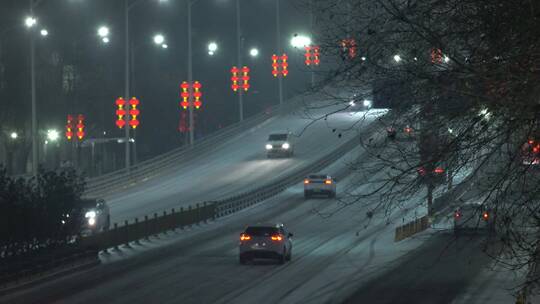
(190, 215)
(198, 214)
(181, 218)
(164, 223)
(173, 219)
(146, 230)
(137, 231)
(116, 236)
(126, 234)
(154, 226)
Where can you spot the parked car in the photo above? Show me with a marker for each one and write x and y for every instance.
(319, 184)
(280, 144)
(265, 241)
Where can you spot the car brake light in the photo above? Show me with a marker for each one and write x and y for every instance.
(457, 215)
(485, 216)
(328, 181)
(277, 237)
(306, 181)
(245, 237)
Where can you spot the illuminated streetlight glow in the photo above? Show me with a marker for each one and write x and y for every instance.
(397, 58)
(105, 40)
(300, 41)
(30, 21)
(446, 59)
(254, 52)
(159, 39)
(44, 32)
(14, 135)
(53, 135)
(164, 46)
(103, 32)
(212, 47)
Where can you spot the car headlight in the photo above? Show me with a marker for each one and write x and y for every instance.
(268, 146)
(90, 214)
(286, 146)
(92, 221)
(352, 103)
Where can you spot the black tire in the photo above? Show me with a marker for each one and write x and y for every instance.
(282, 258)
(289, 256)
(307, 194)
(243, 260)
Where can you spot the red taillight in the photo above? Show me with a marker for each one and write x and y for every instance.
(438, 170)
(328, 181)
(306, 181)
(277, 237)
(245, 237)
(457, 215)
(485, 216)
(408, 130)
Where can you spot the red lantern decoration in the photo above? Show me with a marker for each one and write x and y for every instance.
(245, 78)
(307, 55)
(316, 55)
(436, 56)
(284, 65)
(234, 78)
(197, 94)
(69, 127)
(80, 127)
(348, 47)
(134, 112)
(275, 65)
(184, 95)
(120, 112)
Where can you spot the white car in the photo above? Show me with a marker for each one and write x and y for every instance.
(280, 144)
(265, 241)
(319, 184)
(472, 217)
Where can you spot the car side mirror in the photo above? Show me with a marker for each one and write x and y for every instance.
(290, 234)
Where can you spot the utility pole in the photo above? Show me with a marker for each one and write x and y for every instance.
(126, 88)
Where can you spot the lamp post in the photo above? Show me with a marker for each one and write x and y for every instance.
(239, 58)
(279, 50)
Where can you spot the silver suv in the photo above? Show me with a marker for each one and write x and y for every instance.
(265, 241)
(280, 144)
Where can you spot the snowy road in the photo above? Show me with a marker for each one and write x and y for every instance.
(334, 257)
(238, 165)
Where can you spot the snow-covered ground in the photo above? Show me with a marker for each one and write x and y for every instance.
(240, 164)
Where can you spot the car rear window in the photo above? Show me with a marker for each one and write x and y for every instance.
(317, 176)
(261, 231)
(277, 137)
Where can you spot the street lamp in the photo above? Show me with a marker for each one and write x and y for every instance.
(14, 135)
(164, 46)
(30, 21)
(105, 40)
(53, 135)
(159, 39)
(397, 58)
(212, 48)
(44, 32)
(103, 31)
(300, 41)
(254, 52)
